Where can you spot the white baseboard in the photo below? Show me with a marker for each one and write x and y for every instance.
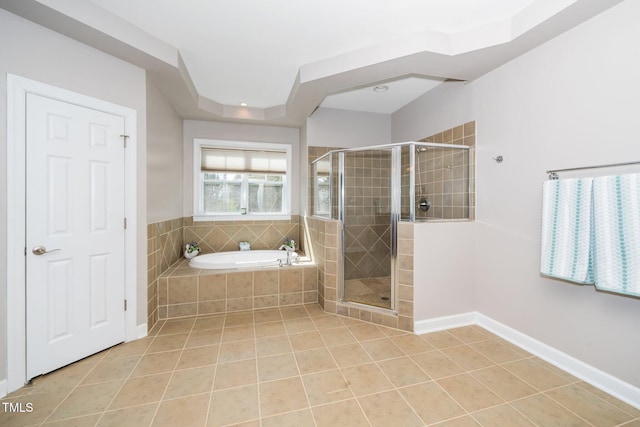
(606, 382)
(3, 388)
(445, 322)
(141, 331)
(594, 376)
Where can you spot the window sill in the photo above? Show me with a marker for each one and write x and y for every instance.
(248, 217)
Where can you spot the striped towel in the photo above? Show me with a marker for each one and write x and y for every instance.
(566, 230)
(616, 223)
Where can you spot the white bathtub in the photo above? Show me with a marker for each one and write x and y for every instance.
(239, 259)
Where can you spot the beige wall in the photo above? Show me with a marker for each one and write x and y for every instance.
(334, 129)
(33, 52)
(164, 158)
(304, 171)
(571, 102)
(330, 127)
(444, 274)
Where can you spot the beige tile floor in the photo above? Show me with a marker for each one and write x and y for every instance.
(299, 367)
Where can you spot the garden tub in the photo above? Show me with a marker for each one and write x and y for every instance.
(239, 259)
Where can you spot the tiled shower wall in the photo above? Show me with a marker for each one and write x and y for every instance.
(446, 177)
(327, 247)
(403, 289)
(367, 208)
(166, 241)
(367, 214)
(322, 241)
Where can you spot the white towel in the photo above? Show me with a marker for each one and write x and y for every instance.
(616, 223)
(566, 230)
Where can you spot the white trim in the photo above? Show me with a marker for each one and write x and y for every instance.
(446, 322)
(142, 331)
(3, 388)
(606, 382)
(17, 88)
(594, 376)
(254, 217)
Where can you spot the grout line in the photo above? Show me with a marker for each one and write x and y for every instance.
(345, 379)
(255, 351)
(348, 324)
(215, 370)
(74, 387)
(564, 406)
(522, 413)
(166, 387)
(298, 365)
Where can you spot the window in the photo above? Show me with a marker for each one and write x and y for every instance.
(322, 196)
(241, 179)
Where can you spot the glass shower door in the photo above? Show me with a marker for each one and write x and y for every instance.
(367, 227)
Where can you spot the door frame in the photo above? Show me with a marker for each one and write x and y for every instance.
(17, 89)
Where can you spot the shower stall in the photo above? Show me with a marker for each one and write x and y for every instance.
(369, 190)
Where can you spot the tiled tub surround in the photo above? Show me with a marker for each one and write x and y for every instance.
(166, 241)
(184, 291)
(224, 236)
(164, 247)
(327, 248)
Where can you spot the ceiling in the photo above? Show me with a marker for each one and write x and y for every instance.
(250, 51)
(383, 97)
(284, 58)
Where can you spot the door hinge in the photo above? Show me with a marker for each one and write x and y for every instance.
(125, 223)
(125, 139)
(125, 305)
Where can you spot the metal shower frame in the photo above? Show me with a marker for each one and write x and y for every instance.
(396, 193)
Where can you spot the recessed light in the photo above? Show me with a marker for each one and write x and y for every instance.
(381, 88)
(243, 104)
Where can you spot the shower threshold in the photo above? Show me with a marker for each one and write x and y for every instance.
(373, 291)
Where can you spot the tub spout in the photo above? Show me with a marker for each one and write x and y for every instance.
(288, 255)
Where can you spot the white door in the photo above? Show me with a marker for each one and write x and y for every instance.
(75, 233)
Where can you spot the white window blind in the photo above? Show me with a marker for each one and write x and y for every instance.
(241, 161)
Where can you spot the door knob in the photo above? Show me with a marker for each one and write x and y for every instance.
(41, 250)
